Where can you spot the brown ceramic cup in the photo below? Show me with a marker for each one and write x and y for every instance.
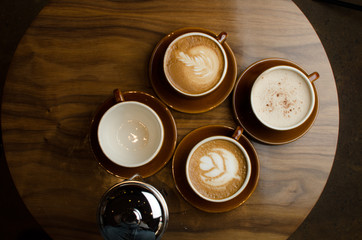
(130, 133)
(245, 115)
(196, 63)
(218, 168)
(282, 97)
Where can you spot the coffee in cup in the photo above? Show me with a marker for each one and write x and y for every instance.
(282, 98)
(195, 63)
(218, 168)
(130, 133)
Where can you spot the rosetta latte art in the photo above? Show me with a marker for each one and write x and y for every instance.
(219, 167)
(203, 62)
(194, 64)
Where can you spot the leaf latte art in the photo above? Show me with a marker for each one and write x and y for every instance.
(194, 64)
(202, 64)
(217, 169)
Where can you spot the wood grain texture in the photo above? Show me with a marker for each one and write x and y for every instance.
(76, 52)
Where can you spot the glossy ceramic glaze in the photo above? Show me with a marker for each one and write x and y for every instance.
(245, 115)
(178, 101)
(179, 173)
(218, 41)
(130, 134)
(247, 164)
(166, 151)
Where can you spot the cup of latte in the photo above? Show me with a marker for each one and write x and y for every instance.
(130, 133)
(218, 168)
(195, 63)
(282, 97)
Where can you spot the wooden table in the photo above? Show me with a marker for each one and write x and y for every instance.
(76, 52)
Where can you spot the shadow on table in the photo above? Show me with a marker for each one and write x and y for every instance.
(33, 234)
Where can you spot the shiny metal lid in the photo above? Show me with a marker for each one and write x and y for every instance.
(132, 210)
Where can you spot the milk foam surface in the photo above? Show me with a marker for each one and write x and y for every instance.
(217, 169)
(281, 98)
(195, 64)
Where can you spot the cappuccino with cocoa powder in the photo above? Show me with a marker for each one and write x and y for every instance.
(282, 98)
(195, 63)
(217, 169)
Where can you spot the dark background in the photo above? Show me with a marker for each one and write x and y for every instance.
(338, 212)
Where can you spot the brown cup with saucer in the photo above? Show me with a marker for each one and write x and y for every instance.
(179, 164)
(166, 150)
(181, 102)
(244, 114)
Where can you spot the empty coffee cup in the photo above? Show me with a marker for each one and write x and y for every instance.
(130, 133)
(195, 63)
(218, 168)
(282, 97)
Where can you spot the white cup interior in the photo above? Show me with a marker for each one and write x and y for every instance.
(169, 48)
(247, 160)
(130, 134)
(310, 107)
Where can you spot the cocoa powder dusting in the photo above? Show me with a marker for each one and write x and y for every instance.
(270, 106)
(288, 107)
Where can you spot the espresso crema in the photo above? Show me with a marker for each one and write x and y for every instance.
(217, 169)
(281, 98)
(194, 64)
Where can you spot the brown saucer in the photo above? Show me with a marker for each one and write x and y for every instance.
(167, 148)
(179, 173)
(176, 100)
(246, 117)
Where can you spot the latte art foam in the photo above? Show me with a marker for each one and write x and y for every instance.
(194, 64)
(201, 62)
(217, 169)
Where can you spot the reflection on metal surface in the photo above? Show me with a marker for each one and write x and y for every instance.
(132, 210)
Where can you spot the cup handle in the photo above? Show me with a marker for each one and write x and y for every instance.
(136, 177)
(314, 76)
(118, 96)
(237, 133)
(221, 37)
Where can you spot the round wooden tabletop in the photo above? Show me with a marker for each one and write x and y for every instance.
(76, 52)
